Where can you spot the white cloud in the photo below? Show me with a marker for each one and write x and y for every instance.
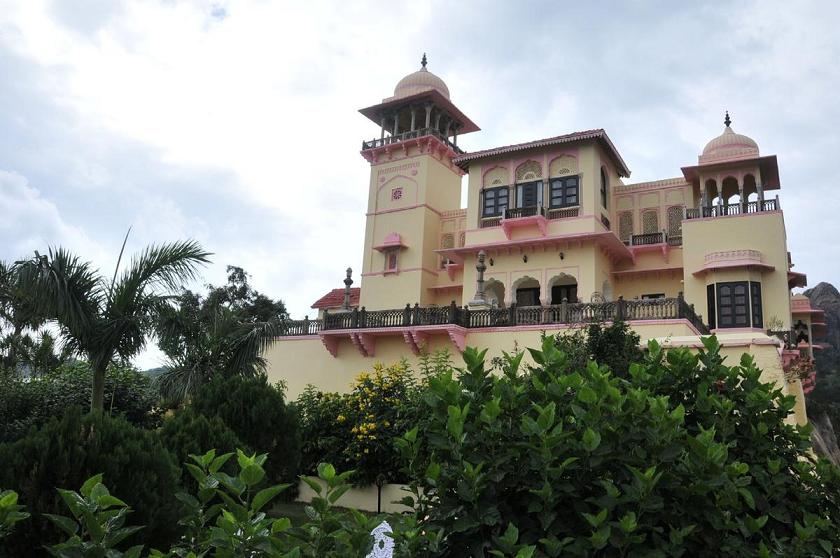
(235, 122)
(30, 222)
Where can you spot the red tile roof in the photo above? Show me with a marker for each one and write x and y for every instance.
(598, 134)
(335, 298)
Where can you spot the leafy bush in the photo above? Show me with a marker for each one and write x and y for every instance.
(685, 457)
(357, 430)
(188, 432)
(615, 345)
(257, 413)
(32, 402)
(67, 451)
(98, 523)
(10, 512)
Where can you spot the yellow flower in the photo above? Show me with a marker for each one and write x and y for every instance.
(367, 450)
(341, 418)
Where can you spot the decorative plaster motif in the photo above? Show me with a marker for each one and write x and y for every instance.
(396, 194)
(625, 225)
(529, 170)
(650, 221)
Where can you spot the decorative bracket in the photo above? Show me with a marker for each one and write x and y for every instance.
(331, 343)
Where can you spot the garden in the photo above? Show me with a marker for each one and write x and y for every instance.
(598, 448)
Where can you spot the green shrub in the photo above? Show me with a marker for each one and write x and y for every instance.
(357, 430)
(257, 413)
(10, 512)
(67, 451)
(685, 457)
(188, 432)
(97, 527)
(615, 345)
(34, 401)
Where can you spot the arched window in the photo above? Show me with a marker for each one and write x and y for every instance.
(605, 188)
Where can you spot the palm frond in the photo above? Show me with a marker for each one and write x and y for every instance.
(61, 287)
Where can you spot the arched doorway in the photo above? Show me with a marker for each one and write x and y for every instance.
(527, 291)
(494, 293)
(563, 287)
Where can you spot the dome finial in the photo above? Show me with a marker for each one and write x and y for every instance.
(423, 61)
(727, 120)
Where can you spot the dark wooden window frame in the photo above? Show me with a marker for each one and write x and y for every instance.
(490, 198)
(566, 189)
(730, 322)
(538, 186)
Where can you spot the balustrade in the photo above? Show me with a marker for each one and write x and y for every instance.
(565, 313)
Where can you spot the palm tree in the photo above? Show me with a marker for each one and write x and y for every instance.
(205, 340)
(103, 319)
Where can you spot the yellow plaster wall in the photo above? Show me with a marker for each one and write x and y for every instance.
(303, 361)
(542, 265)
(429, 188)
(764, 232)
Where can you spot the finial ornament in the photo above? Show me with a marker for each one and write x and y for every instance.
(423, 61)
(347, 282)
(727, 120)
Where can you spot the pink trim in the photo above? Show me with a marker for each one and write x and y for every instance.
(331, 343)
(493, 167)
(738, 330)
(392, 240)
(295, 338)
(599, 134)
(443, 288)
(398, 271)
(397, 209)
(561, 220)
(452, 268)
(643, 272)
(727, 343)
(364, 342)
(509, 224)
(607, 240)
(779, 211)
(387, 181)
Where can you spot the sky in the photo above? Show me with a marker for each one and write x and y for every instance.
(236, 123)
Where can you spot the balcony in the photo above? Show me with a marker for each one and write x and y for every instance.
(414, 134)
(452, 315)
(733, 209)
(531, 211)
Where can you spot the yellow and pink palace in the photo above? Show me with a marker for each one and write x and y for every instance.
(552, 237)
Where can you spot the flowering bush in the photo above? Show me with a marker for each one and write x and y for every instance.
(356, 430)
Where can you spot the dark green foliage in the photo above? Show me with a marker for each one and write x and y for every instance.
(223, 333)
(27, 403)
(683, 457)
(258, 414)
(10, 512)
(97, 526)
(356, 430)
(189, 433)
(615, 345)
(67, 451)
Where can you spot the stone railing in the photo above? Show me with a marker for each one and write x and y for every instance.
(725, 210)
(390, 140)
(565, 313)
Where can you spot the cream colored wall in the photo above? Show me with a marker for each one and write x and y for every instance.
(637, 199)
(588, 167)
(669, 283)
(764, 232)
(301, 361)
(579, 262)
(429, 188)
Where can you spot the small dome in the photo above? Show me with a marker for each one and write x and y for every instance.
(729, 146)
(419, 81)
